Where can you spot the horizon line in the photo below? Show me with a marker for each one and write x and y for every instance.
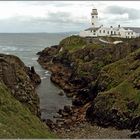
(42, 32)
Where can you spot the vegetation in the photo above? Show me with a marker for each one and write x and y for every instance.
(73, 43)
(16, 121)
(119, 100)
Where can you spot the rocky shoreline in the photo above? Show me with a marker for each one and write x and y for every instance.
(77, 66)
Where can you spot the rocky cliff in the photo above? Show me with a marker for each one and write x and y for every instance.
(101, 78)
(21, 80)
(19, 103)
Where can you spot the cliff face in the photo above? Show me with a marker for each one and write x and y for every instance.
(102, 78)
(21, 80)
(19, 103)
(117, 103)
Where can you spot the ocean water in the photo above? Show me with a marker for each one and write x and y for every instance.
(25, 46)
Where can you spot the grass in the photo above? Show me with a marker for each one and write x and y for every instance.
(73, 43)
(16, 121)
(119, 97)
(122, 82)
(115, 73)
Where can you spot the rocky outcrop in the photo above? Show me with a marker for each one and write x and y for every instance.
(21, 81)
(118, 103)
(103, 77)
(75, 64)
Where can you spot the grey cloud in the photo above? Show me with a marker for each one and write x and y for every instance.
(50, 3)
(61, 18)
(53, 22)
(62, 4)
(132, 13)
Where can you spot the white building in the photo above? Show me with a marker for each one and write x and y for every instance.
(97, 30)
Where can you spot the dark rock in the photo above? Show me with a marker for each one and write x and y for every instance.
(33, 76)
(77, 102)
(132, 105)
(32, 70)
(38, 53)
(61, 93)
(135, 123)
(50, 124)
(60, 111)
(135, 135)
(67, 109)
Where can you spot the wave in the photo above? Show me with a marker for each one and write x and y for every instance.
(14, 49)
(34, 58)
(43, 78)
(8, 48)
(47, 73)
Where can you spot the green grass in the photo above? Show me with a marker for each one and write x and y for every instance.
(95, 46)
(115, 73)
(16, 121)
(73, 43)
(121, 83)
(118, 98)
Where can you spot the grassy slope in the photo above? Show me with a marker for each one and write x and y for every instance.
(17, 121)
(122, 90)
(73, 43)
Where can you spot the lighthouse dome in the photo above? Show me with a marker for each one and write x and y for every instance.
(94, 12)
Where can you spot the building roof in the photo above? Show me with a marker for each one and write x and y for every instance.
(128, 29)
(92, 28)
(94, 12)
(135, 29)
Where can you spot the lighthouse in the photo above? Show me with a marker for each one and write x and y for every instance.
(98, 30)
(94, 17)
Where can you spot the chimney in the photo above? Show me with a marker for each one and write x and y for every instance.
(119, 26)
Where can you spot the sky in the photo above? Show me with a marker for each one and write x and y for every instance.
(65, 16)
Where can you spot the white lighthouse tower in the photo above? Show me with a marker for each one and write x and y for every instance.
(94, 17)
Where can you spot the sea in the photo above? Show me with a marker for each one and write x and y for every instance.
(25, 46)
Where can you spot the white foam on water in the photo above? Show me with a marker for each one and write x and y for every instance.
(34, 58)
(8, 48)
(13, 48)
(47, 73)
(43, 78)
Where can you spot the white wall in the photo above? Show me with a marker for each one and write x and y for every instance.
(94, 20)
(113, 32)
(88, 34)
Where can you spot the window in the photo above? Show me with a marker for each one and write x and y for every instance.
(92, 16)
(128, 33)
(132, 33)
(114, 32)
(92, 23)
(100, 31)
(104, 31)
(91, 31)
(108, 32)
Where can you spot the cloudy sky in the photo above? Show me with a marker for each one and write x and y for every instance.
(64, 16)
